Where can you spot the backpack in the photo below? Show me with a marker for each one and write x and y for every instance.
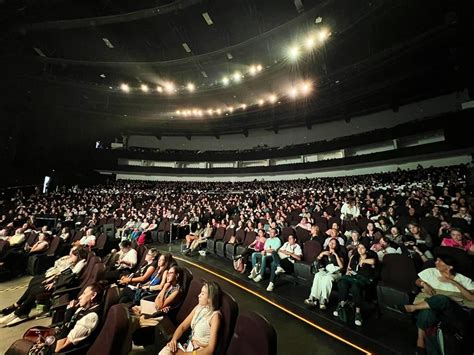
(240, 265)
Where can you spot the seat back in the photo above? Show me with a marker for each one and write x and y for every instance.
(398, 271)
(302, 235)
(240, 235)
(463, 261)
(86, 273)
(286, 232)
(111, 298)
(31, 239)
(229, 311)
(229, 233)
(219, 233)
(54, 246)
(100, 242)
(249, 238)
(77, 236)
(253, 335)
(311, 250)
(114, 333)
(189, 302)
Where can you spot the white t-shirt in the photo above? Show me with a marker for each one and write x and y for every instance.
(85, 240)
(431, 276)
(294, 249)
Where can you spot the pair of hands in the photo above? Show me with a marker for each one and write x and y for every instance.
(173, 345)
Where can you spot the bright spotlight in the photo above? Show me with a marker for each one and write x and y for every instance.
(259, 68)
(231, 109)
(125, 88)
(191, 87)
(323, 35)
(261, 102)
(218, 111)
(294, 53)
(310, 42)
(178, 112)
(144, 88)
(237, 76)
(293, 93)
(225, 81)
(210, 112)
(306, 88)
(272, 99)
(253, 70)
(159, 89)
(243, 106)
(169, 87)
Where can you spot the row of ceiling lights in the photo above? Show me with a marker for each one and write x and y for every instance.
(293, 54)
(301, 90)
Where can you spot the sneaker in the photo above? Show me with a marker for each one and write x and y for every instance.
(258, 278)
(7, 319)
(270, 287)
(311, 301)
(338, 308)
(322, 305)
(8, 310)
(253, 273)
(279, 270)
(17, 320)
(358, 319)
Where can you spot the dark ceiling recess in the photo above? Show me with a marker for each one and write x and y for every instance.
(73, 56)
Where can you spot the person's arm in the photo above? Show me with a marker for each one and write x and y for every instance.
(145, 277)
(165, 305)
(39, 247)
(62, 344)
(425, 287)
(467, 294)
(339, 260)
(81, 331)
(173, 343)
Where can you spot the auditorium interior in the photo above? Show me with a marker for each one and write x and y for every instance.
(236, 177)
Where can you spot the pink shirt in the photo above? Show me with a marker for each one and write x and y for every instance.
(449, 242)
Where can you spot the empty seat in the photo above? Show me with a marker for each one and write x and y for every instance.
(220, 244)
(211, 243)
(253, 335)
(249, 239)
(311, 250)
(230, 249)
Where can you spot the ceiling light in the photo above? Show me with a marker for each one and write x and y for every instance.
(107, 43)
(169, 87)
(309, 43)
(253, 70)
(125, 88)
(218, 111)
(323, 35)
(231, 109)
(39, 51)
(261, 102)
(225, 80)
(191, 87)
(272, 99)
(159, 89)
(102, 75)
(144, 88)
(210, 112)
(259, 68)
(293, 93)
(186, 47)
(237, 76)
(207, 18)
(293, 53)
(243, 106)
(306, 88)
(178, 112)
(229, 56)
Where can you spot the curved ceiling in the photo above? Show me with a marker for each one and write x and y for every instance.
(379, 54)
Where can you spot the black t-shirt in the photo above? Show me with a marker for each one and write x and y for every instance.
(366, 270)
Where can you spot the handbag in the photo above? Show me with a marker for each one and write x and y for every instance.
(33, 334)
(240, 265)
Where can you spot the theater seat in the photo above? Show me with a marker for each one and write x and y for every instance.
(221, 244)
(211, 243)
(229, 311)
(230, 249)
(311, 250)
(38, 264)
(253, 335)
(397, 281)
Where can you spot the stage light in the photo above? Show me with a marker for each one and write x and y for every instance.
(272, 99)
(218, 111)
(210, 112)
(178, 112)
(306, 88)
(259, 68)
(125, 88)
(169, 87)
(200, 113)
(293, 53)
(159, 89)
(237, 76)
(261, 102)
(144, 88)
(243, 106)
(231, 109)
(191, 87)
(225, 81)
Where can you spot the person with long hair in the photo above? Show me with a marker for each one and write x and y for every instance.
(204, 321)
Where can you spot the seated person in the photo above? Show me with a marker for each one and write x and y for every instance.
(445, 296)
(395, 236)
(458, 240)
(167, 299)
(121, 262)
(42, 285)
(383, 247)
(272, 244)
(316, 234)
(87, 240)
(256, 246)
(304, 224)
(330, 265)
(192, 236)
(354, 241)
(18, 238)
(65, 233)
(142, 275)
(360, 274)
(333, 234)
(80, 324)
(204, 321)
(417, 244)
(156, 282)
(207, 232)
